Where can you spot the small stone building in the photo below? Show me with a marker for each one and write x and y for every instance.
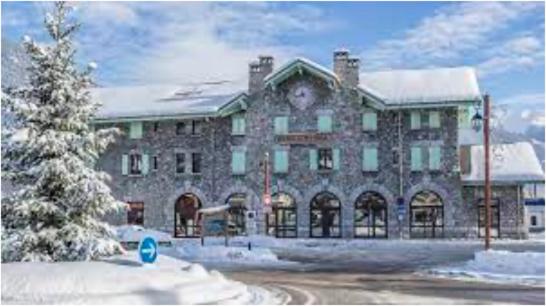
(343, 154)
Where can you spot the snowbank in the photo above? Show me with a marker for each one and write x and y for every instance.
(220, 253)
(500, 266)
(123, 280)
(134, 233)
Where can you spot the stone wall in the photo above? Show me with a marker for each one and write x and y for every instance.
(160, 189)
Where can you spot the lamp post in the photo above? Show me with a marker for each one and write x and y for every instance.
(476, 124)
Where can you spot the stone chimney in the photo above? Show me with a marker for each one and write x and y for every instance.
(346, 67)
(258, 70)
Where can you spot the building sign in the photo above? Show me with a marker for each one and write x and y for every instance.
(303, 138)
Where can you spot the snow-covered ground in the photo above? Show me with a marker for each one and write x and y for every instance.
(499, 266)
(123, 280)
(134, 233)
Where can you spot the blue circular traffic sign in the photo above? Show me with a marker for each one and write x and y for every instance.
(147, 249)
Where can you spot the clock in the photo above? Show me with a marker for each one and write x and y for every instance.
(301, 96)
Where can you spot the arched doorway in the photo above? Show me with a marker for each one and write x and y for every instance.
(325, 216)
(282, 221)
(370, 216)
(426, 215)
(186, 217)
(237, 213)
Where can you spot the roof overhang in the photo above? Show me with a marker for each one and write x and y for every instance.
(236, 104)
(501, 183)
(299, 65)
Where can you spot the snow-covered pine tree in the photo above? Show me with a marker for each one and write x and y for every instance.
(49, 153)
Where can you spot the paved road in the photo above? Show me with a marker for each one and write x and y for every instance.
(383, 276)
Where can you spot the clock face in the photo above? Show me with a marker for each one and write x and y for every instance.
(301, 96)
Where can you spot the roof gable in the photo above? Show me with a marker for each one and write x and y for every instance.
(299, 65)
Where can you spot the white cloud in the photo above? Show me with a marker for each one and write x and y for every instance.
(448, 36)
(108, 12)
(182, 42)
(515, 54)
(519, 111)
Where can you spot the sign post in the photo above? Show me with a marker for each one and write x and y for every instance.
(401, 214)
(147, 249)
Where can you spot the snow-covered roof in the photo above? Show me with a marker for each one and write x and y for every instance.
(299, 63)
(163, 100)
(214, 209)
(401, 87)
(514, 162)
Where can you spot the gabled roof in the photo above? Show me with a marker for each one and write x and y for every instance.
(510, 163)
(401, 88)
(298, 65)
(171, 101)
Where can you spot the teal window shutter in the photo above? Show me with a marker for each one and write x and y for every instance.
(325, 124)
(435, 157)
(281, 125)
(125, 164)
(135, 130)
(370, 159)
(280, 161)
(145, 164)
(416, 159)
(434, 119)
(238, 162)
(336, 158)
(415, 120)
(369, 121)
(313, 159)
(238, 125)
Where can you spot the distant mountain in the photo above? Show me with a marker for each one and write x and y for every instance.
(533, 134)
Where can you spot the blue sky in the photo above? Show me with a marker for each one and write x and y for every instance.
(143, 43)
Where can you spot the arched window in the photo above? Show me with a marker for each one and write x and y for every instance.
(282, 221)
(370, 216)
(325, 215)
(186, 218)
(426, 215)
(237, 213)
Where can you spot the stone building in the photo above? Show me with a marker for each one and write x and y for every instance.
(342, 153)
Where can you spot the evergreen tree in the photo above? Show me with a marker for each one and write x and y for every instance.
(49, 152)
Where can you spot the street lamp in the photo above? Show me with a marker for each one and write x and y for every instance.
(477, 120)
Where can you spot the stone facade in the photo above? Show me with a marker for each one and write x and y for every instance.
(160, 188)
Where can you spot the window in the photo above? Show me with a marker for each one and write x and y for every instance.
(196, 127)
(325, 216)
(237, 125)
(434, 158)
(325, 124)
(495, 217)
(196, 162)
(281, 125)
(237, 213)
(464, 117)
(187, 221)
(135, 214)
(156, 126)
(434, 119)
(135, 164)
(369, 159)
(282, 222)
(416, 159)
(325, 159)
(426, 215)
(238, 162)
(180, 128)
(155, 164)
(135, 130)
(415, 120)
(370, 216)
(533, 220)
(280, 161)
(369, 121)
(180, 162)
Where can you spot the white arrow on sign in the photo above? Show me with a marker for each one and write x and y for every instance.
(150, 251)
